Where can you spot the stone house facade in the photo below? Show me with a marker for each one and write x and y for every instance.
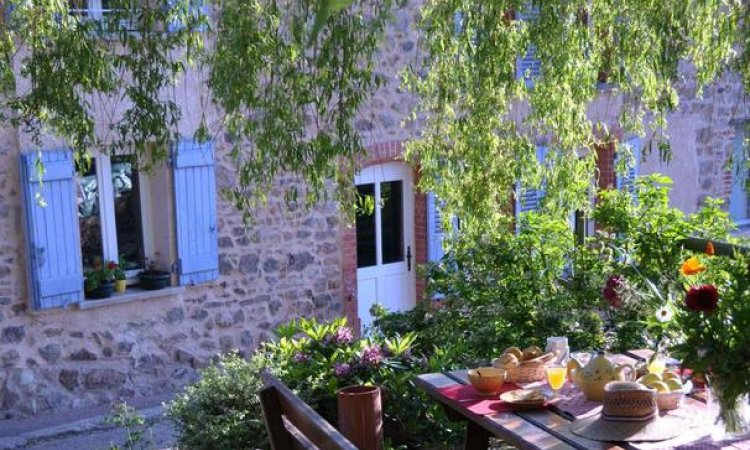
(291, 263)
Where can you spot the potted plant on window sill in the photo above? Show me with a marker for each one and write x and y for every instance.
(121, 279)
(100, 282)
(153, 278)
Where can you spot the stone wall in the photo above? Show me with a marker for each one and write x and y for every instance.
(288, 264)
(702, 132)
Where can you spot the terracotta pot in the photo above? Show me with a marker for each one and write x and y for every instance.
(361, 416)
(121, 286)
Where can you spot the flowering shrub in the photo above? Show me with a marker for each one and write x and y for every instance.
(613, 289)
(316, 359)
(640, 242)
(713, 320)
(703, 298)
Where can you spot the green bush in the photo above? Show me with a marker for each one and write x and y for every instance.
(501, 287)
(505, 288)
(314, 359)
(222, 409)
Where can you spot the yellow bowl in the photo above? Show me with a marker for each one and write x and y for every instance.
(487, 380)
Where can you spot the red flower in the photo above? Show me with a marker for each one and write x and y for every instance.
(610, 291)
(703, 298)
(112, 265)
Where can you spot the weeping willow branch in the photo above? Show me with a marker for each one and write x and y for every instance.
(290, 102)
(482, 123)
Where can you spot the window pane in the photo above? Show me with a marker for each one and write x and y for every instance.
(127, 212)
(88, 216)
(366, 229)
(392, 221)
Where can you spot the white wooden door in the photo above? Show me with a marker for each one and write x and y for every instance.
(385, 240)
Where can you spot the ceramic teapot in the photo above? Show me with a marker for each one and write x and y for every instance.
(592, 377)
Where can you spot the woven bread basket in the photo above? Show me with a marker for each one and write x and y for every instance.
(528, 371)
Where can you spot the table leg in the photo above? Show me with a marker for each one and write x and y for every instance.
(477, 438)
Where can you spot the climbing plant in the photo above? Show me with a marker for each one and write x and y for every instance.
(604, 64)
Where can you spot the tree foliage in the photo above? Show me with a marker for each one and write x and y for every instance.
(291, 75)
(482, 123)
(290, 102)
(287, 76)
(98, 84)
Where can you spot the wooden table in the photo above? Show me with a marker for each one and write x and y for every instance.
(545, 429)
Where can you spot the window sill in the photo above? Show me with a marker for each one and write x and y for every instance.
(131, 295)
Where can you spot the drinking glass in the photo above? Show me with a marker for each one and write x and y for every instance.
(556, 377)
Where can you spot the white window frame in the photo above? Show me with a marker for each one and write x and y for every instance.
(107, 219)
(93, 10)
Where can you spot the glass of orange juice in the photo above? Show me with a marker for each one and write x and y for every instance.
(556, 377)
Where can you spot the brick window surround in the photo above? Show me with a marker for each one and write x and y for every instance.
(378, 154)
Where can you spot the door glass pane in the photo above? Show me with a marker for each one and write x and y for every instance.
(366, 246)
(88, 216)
(127, 212)
(392, 221)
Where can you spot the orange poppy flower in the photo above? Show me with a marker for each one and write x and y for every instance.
(710, 251)
(692, 267)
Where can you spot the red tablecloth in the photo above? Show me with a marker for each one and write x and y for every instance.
(469, 398)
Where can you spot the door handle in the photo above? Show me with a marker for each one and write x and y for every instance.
(408, 258)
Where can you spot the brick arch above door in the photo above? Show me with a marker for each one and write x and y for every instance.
(378, 154)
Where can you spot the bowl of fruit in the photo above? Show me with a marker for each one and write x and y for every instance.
(670, 389)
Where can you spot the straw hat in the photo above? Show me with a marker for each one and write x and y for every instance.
(629, 413)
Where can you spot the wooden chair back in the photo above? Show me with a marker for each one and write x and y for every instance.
(292, 424)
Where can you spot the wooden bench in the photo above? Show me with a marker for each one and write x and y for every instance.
(292, 424)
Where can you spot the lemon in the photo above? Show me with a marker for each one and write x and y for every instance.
(649, 378)
(674, 384)
(660, 386)
(669, 374)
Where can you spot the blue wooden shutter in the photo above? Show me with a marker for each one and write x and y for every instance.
(195, 211)
(436, 234)
(738, 199)
(52, 234)
(458, 22)
(530, 199)
(627, 181)
(196, 8)
(7, 11)
(528, 66)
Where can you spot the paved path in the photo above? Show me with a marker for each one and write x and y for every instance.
(93, 434)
